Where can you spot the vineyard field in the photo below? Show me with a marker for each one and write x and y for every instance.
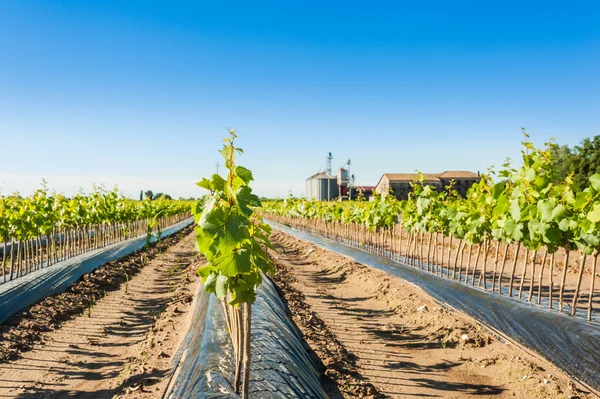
(433, 296)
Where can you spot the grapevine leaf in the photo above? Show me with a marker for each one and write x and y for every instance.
(218, 183)
(515, 210)
(234, 263)
(212, 221)
(595, 181)
(205, 183)
(221, 287)
(558, 212)
(244, 174)
(594, 215)
(241, 295)
(546, 207)
(210, 282)
(564, 225)
(552, 235)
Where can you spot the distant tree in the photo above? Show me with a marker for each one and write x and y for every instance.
(587, 161)
(158, 195)
(149, 194)
(563, 159)
(583, 161)
(141, 195)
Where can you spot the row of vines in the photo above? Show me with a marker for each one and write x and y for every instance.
(515, 215)
(45, 228)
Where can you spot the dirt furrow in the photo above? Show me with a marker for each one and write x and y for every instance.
(405, 344)
(122, 345)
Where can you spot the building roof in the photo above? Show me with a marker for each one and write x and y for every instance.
(321, 175)
(429, 177)
(450, 174)
(409, 176)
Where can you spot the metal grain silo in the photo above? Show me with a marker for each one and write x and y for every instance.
(321, 187)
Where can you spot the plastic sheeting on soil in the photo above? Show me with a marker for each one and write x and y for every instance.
(572, 344)
(281, 367)
(23, 292)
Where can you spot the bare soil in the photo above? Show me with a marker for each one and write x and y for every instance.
(122, 345)
(526, 280)
(385, 333)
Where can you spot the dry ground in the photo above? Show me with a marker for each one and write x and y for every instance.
(123, 347)
(403, 343)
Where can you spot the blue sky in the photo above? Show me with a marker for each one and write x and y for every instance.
(139, 93)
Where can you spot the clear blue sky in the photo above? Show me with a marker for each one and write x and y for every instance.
(138, 93)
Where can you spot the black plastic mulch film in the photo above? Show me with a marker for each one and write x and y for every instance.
(571, 343)
(19, 294)
(281, 368)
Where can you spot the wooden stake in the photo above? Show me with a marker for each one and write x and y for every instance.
(460, 243)
(237, 311)
(247, 352)
(429, 268)
(514, 268)
(551, 287)
(524, 272)
(468, 264)
(532, 283)
(475, 268)
(541, 277)
(562, 283)
(4, 261)
(496, 264)
(449, 253)
(590, 300)
(576, 296)
(484, 268)
(462, 259)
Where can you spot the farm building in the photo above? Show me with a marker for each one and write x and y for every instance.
(399, 183)
(322, 186)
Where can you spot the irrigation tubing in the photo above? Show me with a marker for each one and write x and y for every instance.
(19, 294)
(281, 367)
(571, 343)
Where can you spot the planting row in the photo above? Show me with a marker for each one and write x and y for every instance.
(44, 228)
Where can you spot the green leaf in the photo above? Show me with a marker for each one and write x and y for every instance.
(517, 234)
(594, 215)
(212, 221)
(595, 181)
(227, 153)
(221, 287)
(591, 239)
(205, 183)
(236, 226)
(243, 296)
(558, 212)
(246, 200)
(515, 210)
(210, 282)
(244, 174)
(564, 225)
(205, 240)
(530, 174)
(218, 183)
(581, 200)
(552, 235)
(205, 271)
(234, 263)
(546, 207)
